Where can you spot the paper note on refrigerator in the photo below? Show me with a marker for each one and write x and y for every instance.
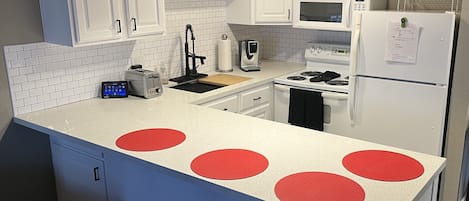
(402, 43)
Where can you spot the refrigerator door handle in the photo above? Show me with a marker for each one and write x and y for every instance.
(353, 66)
(355, 43)
(351, 100)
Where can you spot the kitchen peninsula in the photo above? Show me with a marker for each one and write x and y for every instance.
(98, 123)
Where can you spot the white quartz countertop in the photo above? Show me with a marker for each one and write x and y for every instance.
(289, 149)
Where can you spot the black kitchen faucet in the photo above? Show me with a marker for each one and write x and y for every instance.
(190, 73)
(193, 71)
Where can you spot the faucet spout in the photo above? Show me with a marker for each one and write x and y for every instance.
(189, 28)
(191, 72)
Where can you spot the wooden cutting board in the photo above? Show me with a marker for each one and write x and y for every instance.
(223, 79)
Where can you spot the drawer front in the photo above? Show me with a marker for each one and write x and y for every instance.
(255, 97)
(263, 112)
(229, 103)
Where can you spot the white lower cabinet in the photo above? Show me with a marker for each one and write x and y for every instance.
(79, 174)
(255, 97)
(262, 112)
(229, 103)
(256, 102)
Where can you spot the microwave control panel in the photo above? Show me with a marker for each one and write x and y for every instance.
(360, 5)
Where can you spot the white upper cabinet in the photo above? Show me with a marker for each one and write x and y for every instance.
(97, 20)
(259, 12)
(273, 11)
(90, 22)
(144, 17)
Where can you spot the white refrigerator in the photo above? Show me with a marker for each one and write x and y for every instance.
(399, 77)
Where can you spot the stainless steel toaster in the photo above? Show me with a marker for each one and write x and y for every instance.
(144, 83)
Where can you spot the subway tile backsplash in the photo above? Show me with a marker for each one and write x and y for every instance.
(44, 75)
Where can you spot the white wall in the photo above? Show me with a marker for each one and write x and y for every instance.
(25, 163)
(44, 75)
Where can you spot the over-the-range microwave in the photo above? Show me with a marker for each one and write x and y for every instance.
(335, 15)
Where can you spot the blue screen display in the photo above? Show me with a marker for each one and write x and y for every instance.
(116, 89)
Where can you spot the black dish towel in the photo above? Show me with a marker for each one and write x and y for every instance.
(306, 109)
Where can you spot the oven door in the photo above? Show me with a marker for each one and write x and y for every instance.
(336, 119)
(322, 14)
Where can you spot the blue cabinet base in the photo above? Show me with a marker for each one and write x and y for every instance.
(130, 179)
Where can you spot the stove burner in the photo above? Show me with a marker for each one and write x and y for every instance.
(296, 78)
(316, 79)
(337, 82)
(311, 73)
(326, 76)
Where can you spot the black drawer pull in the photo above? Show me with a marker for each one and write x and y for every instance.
(256, 99)
(96, 174)
(135, 23)
(119, 28)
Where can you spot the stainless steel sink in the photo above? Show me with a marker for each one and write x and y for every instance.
(196, 86)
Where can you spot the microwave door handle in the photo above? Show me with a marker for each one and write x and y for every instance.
(348, 13)
(353, 66)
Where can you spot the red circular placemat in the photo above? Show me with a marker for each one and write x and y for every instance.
(318, 186)
(383, 165)
(150, 139)
(229, 164)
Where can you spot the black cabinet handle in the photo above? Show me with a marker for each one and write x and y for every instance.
(96, 173)
(135, 23)
(256, 99)
(119, 28)
(225, 109)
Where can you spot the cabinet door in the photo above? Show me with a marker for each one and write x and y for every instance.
(255, 97)
(78, 176)
(131, 179)
(96, 21)
(229, 104)
(262, 112)
(273, 11)
(145, 17)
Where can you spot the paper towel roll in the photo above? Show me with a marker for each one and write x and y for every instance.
(224, 55)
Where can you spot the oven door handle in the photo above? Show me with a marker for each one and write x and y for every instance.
(348, 13)
(326, 95)
(335, 96)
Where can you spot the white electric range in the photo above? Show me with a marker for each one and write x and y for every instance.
(326, 71)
